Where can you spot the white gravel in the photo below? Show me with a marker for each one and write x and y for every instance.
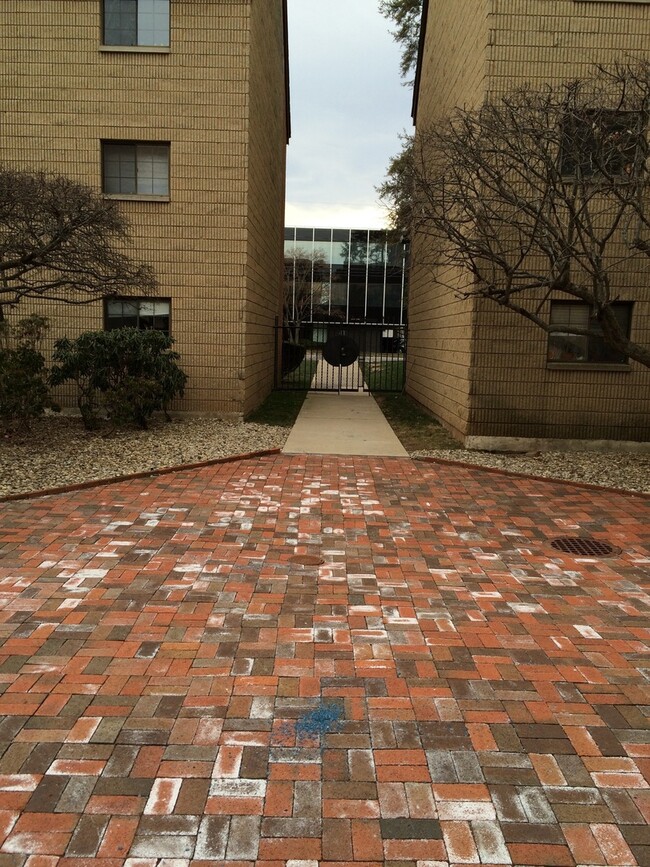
(627, 472)
(60, 452)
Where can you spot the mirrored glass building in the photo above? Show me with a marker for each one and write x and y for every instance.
(346, 276)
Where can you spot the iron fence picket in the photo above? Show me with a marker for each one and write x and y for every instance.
(380, 366)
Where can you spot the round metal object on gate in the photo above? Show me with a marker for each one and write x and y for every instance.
(340, 351)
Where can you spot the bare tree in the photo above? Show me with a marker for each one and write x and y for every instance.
(406, 15)
(537, 194)
(62, 241)
(306, 288)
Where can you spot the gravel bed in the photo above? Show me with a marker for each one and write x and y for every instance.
(58, 451)
(611, 470)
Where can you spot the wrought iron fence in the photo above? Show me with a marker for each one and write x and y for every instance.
(335, 357)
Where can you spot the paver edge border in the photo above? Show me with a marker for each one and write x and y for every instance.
(161, 471)
(551, 479)
(114, 480)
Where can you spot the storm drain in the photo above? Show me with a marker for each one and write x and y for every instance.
(584, 547)
(306, 560)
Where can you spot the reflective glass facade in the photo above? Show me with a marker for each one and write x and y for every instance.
(344, 275)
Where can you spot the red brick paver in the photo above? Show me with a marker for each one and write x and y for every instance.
(445, 688)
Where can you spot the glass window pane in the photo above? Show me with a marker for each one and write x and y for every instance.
(323, 235)
(358, 247)
(571, 348)
(289, 234)
(304, 234)
(357, 301)
(377, 249)
(140, 313)
(114, 308)
(120, 22)
(153, 170)
(153, 22)
(118, 168)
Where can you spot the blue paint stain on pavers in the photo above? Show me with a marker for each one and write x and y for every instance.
(323, 719)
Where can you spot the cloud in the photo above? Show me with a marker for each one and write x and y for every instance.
(324, 216)
(348, 108)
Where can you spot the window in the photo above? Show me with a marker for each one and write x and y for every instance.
(143, 313)
(567, 348)
(136, 22)
(135, 169)
(599, 143)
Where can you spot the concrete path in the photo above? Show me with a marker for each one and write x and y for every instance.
(342, 424)
(302, 661)
(328, 376)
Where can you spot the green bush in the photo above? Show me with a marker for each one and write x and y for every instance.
(125, 374)
(24, 392)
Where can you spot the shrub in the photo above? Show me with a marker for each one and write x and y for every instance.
(24, 392)
(126, 374)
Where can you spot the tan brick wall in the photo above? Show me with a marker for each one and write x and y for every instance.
(63, 96)
(266, 180)
(440, 326)
(509, 390)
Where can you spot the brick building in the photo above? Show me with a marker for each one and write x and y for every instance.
(486, 373)
(180, 110)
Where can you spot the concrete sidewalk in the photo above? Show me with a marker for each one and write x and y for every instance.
(342, 424)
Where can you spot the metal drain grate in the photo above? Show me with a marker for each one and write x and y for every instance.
(584, 547)
(306, 560)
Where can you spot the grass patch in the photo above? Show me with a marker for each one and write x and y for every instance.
(301, 377)
(385, 375)
(413, 427)
(280, 408)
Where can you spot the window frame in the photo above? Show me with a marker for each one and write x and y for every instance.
(137, 46)
(138, 299)
(588, 363)
(136, 196)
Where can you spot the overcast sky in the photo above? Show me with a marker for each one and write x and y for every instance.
(348, 107)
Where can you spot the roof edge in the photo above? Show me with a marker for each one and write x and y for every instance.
(287, 88)
(418, 69)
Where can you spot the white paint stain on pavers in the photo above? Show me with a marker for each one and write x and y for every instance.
(69, 603)
(587, 631)
(115, 525)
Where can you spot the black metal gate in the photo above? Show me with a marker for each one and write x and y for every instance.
(334, 357)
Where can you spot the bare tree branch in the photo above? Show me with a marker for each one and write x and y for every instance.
(306, 288)
(63, 241)
(537, 194)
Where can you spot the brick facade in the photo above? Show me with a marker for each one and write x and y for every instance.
(217, 94)
(482, 370)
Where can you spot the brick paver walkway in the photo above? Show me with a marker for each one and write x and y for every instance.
(444, 688)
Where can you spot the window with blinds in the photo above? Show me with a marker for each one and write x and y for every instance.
(132, 168)
(567, 347)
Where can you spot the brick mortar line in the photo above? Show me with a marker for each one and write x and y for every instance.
(551, 479)
(114, 480)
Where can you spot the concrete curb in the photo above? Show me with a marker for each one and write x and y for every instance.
(501, 472)
(113, 480)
